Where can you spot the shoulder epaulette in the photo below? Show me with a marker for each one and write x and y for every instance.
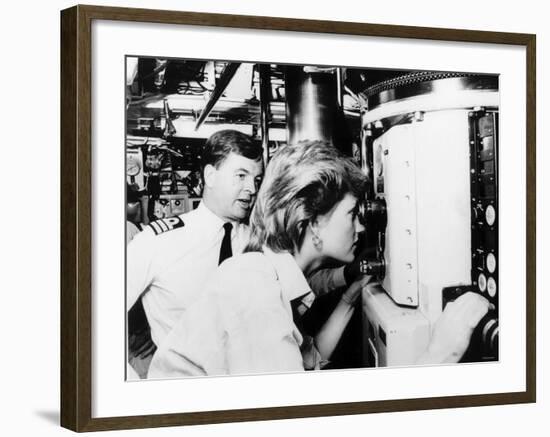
(165, 225)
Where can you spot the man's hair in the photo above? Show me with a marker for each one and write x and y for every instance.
(222, 143)
(301, 182)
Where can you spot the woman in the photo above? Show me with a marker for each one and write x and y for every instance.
(305, 216)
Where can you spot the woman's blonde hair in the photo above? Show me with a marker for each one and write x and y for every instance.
(301, 182)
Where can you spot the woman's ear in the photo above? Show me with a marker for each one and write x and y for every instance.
(209, 175)
(315, 228)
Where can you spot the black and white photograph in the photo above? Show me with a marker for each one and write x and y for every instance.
(266, 219)
(285, 218)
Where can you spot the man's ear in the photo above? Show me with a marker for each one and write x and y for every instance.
(209, 175)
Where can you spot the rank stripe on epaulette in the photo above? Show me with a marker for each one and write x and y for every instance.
(155, 227)
(162, 225)
(165, 225)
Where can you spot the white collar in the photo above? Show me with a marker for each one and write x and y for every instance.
(209, 218)
(292, 279)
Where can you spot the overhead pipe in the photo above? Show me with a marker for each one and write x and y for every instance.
(169, 128)
(226, 76)
(265, 113)
(311, 104)
(339, 88)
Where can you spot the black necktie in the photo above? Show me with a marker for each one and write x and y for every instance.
(225, 249)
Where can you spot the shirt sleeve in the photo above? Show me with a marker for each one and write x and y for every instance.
(139, 266)
(261, 335)
(195, 345)
(310, 355)
(327, 280)
(131, 231)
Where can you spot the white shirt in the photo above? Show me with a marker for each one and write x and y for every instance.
(241, 324)
(131, 231)
(171, 259)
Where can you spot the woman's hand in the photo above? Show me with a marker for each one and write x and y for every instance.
(452, 331)
(354, 290)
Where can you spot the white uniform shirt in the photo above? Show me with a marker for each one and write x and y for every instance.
(241, 324)
(171, 259)
(131, 231)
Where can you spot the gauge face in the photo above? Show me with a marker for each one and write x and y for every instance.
(482, 282)
(492, 287)
(132, 168)
(491, 263)
(490, 215)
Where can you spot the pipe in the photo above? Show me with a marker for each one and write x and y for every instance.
(226, 76)
(265, 113)
(311, 104)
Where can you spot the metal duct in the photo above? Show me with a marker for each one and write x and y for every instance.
(311, 104)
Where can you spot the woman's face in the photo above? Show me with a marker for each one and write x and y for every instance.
(338, 229)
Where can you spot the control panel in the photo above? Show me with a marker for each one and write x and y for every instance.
(484, 236)
(484, 204)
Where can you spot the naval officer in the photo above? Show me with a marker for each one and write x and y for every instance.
(168, 263)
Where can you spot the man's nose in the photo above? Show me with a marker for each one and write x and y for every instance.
(250, 185)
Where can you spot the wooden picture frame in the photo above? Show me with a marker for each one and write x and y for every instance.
(76, 219)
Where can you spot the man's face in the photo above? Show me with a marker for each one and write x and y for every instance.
(233, 185)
